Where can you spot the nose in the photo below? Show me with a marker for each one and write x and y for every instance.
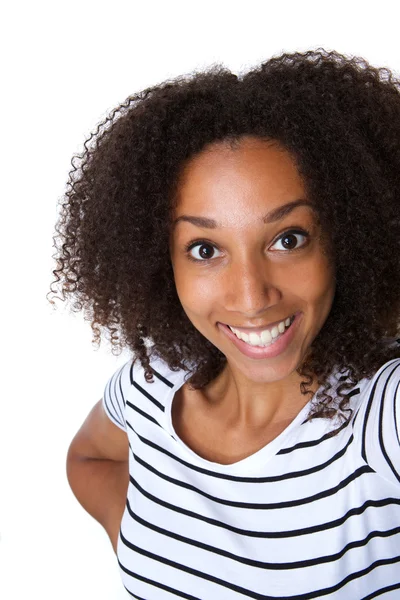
(250, 288)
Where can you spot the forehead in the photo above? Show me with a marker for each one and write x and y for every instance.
(224, 180)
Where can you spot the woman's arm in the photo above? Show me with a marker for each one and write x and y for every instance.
(98, 470)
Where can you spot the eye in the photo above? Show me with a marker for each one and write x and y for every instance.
(291, 240)
(201, 251)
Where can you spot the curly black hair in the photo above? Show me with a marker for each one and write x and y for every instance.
(337, 116)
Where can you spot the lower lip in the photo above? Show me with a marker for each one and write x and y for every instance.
(274, 349)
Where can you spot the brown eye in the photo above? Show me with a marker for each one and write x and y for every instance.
(291, 240)
(202, 251)
(206, 251)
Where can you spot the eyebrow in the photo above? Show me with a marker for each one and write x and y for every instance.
(271, 217)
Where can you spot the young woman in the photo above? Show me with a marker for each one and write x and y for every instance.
(241, 236)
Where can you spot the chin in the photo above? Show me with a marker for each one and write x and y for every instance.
(267, 371)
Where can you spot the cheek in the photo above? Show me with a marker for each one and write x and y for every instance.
(315, 283)
(195, 293)
(324, 287)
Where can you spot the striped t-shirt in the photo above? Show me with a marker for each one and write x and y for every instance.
(307, 516)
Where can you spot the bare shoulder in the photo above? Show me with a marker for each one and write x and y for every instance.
(99, 438)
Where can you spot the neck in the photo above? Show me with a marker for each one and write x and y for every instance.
(247, 404)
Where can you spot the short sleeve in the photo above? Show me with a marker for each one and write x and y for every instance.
(115, 393)
(381, 424)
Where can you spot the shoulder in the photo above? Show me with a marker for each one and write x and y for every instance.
(132, 373)
(379, 420)
(162, 374)
(115, 392)
(382, 388)
(128, 386)
(389, 373)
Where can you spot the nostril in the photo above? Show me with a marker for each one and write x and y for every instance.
(248, 293)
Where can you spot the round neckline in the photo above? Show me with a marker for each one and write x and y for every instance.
(245, 465)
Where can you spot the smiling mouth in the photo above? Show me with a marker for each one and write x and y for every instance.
(263, 337)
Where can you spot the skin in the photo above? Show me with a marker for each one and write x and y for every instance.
(249, 280)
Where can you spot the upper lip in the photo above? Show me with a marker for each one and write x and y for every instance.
(258, 329)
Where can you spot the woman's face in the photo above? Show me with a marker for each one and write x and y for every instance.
(247, 257)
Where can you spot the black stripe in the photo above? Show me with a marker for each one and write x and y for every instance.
(355, 417)
(113, 419)
(327, 436)
(300, 564)
(273, 505)
(353, 393)
(161, 378)
(237, 478)
(367, 412)
(381, 441)
(118, 380)
(191, 571)
(389, 588)
(109, 396)
(131, 371)
(167, 588)
(345, 581)
(148, 396)
(310, 444)
(269, 534)
(134, 595)
(142, 414)
(120, 386)
(247, 592)
(394, 411)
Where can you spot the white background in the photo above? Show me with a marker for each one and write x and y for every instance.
(64, 65)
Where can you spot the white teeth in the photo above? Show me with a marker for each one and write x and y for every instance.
(265, 337)
(274, 332)
(254, 339)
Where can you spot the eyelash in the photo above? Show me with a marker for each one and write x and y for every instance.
(203, 242)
